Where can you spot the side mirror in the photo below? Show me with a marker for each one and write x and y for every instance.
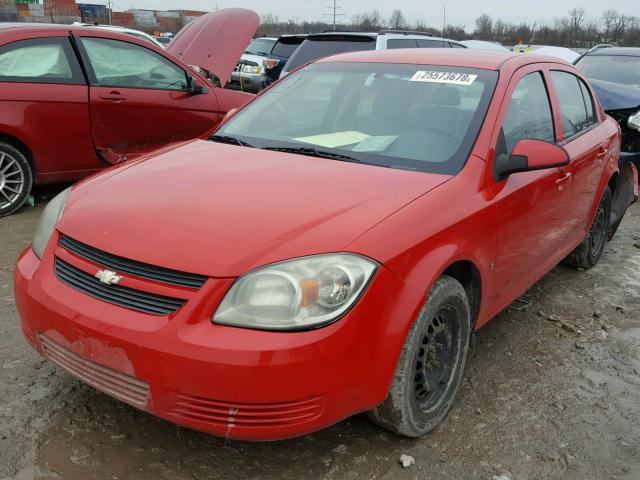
(529, 155)
(195, 88)
(227, 116)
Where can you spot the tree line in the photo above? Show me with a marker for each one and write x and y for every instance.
(575, 30)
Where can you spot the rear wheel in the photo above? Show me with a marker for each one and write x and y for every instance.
(588, 253)
(431, 363)
(16, 179)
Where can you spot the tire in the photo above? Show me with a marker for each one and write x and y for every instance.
(444, 325)
(16, 179)
(588, 253)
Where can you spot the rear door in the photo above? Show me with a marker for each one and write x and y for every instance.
(44, 101)
(586, 141)
(140, 100)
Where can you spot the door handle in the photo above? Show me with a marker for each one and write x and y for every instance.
(113, 96)
(602, 150)
(563, 178)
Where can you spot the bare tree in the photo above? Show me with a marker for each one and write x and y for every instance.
(367, 21)
(609, 19)
(484, 27)
(397, 20)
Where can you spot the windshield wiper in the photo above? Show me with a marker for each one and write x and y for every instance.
(229, 139)
(314, 152)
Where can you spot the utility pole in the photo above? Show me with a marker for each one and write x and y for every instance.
(444, 22)
(333, 12)
(109, 10)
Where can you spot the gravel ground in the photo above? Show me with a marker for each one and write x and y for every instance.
(551, 391)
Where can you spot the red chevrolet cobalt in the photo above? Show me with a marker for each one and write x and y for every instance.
(332, 246)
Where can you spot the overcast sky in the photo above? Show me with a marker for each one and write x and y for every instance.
(458, 12)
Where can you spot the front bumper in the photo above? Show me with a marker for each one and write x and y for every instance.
(232, 382)
(246, 82)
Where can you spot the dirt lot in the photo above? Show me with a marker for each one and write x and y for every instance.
(551, 392)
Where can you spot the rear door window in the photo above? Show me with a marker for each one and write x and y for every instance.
(425, 43)
(41, 60)
(312, 49)
(576, 117)
(401, 43)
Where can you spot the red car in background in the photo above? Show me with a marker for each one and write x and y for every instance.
(74, 99)
(331, 248)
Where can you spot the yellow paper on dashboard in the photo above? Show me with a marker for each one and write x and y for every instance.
(333, 140)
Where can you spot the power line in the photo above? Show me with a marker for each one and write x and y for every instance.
(333, 12)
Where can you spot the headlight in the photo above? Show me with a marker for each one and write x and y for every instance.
(634, 121)
(46, 224)
(251, 69)
(296, 294)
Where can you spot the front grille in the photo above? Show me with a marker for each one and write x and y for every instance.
(116, 294)
(119, 385)
(255, 415)
(133, 267)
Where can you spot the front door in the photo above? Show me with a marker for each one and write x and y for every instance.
(532, 209)
(140, 101)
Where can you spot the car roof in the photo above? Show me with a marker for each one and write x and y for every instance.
(628, 51)
(294, 35)
(383, 33)
(482, 59)
(4, 26)
(55, 26)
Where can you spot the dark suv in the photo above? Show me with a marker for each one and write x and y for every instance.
(331, 43)
(282, 50)
(614, 73)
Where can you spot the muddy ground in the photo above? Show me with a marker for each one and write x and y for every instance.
(552, 391)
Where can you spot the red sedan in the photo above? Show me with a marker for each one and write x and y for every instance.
(75, 99)
(331, 248)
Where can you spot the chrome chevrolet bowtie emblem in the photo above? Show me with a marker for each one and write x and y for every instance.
(108, 277)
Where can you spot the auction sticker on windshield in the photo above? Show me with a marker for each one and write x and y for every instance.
(452, 78)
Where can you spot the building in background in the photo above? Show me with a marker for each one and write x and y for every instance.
(68, 11)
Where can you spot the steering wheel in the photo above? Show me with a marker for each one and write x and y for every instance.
(276, 117)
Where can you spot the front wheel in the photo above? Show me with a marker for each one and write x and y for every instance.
(588, 253)
(431, 363)
(15, 179)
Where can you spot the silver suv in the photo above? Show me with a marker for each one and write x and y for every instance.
(330, 43)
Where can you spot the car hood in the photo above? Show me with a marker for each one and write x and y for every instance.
(221, 210)
(216, 40)
(616, 96)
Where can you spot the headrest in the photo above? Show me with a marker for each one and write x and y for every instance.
(446, 96)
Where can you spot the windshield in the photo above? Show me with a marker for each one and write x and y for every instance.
(417, 117)
(260, 46)
(312, 49)
(611, 68)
